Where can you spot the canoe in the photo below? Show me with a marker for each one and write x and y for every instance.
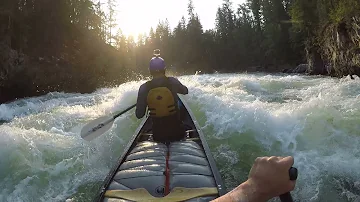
(150, 171)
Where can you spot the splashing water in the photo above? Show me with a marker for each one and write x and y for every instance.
(243, 116)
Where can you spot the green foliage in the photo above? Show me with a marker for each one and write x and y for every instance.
(344, 9)
(327, 30)
(71, 45)
(61, 46)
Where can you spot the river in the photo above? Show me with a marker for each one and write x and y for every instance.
(316, 119)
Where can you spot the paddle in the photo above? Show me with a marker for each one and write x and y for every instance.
(293, 174)
(100, 125)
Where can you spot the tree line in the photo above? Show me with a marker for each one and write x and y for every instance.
(73, 45)
(258, 35)
(255, 36)
(58, 45)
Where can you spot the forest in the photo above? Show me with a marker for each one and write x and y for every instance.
(74, 45)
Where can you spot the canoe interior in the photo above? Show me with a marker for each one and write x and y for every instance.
(160, 168)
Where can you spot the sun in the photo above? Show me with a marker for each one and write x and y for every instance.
(135, 17)
(138, 16)
(131, 31)
(133, 25)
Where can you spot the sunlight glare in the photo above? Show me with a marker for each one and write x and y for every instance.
(138, 16)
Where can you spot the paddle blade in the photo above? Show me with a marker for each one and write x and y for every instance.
(96, 128)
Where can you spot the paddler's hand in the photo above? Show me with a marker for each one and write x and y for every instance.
(268, 178)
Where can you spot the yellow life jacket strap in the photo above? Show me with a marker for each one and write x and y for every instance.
(176, 195)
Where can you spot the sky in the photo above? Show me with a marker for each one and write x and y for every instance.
(138, 16)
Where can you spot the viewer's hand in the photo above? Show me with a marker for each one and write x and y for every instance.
(269, 176)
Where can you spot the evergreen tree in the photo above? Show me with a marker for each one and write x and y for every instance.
(71, 45)
(111, 22)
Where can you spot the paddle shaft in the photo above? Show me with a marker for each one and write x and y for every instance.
(286, 197)
(99, 126)
(126, 110)
(293, 173)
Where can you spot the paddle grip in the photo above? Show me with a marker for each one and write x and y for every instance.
(293, 174)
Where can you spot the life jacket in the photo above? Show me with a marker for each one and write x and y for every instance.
(161, 100)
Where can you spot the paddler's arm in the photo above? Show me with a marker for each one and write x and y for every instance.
(179, 87)
(268, 178)
(141, 102)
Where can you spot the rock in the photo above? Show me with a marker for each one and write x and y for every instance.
(11, 62)
(286, 70)
(340, 47)
(300, 69)
(253, 68)
(315, 61)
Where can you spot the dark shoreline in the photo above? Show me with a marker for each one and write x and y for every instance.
(199, 72)
(64, 52)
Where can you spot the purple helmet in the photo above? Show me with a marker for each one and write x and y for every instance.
(157, 64)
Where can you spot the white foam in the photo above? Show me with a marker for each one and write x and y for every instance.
(43, 133)
(315, 119)
(320, 127)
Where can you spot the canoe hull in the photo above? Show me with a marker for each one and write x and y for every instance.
(148, 170)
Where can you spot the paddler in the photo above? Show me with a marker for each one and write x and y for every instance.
(268, 178)
(159, 95)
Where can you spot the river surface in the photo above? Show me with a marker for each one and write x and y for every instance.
(315, 119)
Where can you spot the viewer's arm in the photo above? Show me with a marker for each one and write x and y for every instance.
(268, 178)
(141, 102)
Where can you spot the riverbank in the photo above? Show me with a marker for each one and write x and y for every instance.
(58, 51)
(80, 72)
(32, 84)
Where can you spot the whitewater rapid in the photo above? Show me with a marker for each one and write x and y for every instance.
(315, 119)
